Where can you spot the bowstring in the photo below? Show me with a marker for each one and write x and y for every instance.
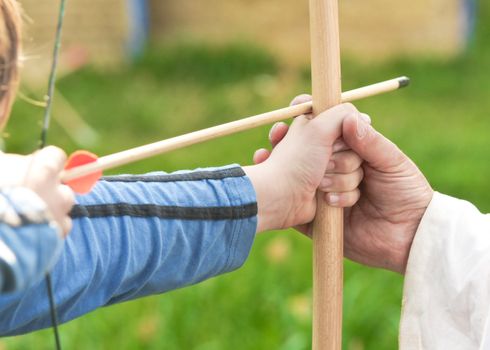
(44, 134)
(52, 75)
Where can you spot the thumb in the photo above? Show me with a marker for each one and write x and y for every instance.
(329, 123)
(370, 145)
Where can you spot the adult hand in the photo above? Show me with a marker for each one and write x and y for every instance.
(380, 227)
(395, 195)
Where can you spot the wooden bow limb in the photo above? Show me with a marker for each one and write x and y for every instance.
(152, 149)
(328, 227)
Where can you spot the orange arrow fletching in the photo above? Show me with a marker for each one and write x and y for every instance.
(84, 184)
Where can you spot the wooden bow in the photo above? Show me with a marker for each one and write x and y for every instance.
(328, 249)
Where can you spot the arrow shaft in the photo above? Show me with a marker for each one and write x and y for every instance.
(174, 143)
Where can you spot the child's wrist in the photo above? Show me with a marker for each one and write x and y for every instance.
(271, 201)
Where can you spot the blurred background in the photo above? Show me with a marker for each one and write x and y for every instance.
(137, 71)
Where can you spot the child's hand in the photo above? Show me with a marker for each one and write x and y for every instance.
(344, 171)
(40, 172)
(286, 180)
(342, 177)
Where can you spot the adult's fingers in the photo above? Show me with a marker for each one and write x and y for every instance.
(344, 162)
(370, 145)
(341, 182)
(343, 199)
(340, 145)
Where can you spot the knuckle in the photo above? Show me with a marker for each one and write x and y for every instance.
(356, 159)
(348, 161)
(52, 158)
(341, 162)
(351, 198)
(349, 108)
(50, 168)
(347, 182)
(360, 173)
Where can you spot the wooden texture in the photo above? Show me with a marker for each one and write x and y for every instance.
(328, 225)
(142, 152)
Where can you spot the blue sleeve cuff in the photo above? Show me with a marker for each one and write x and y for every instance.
(241, 192)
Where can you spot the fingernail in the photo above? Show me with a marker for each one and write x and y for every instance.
(331, 165)
(362, 127)
(333, 199)
(272, 130)
(366, 118)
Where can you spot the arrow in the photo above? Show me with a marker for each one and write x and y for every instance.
(84, 169)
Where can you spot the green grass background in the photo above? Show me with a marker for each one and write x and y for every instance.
(442, 122)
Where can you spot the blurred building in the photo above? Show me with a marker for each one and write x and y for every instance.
(102, 32)
(108, 32)
(370, 29)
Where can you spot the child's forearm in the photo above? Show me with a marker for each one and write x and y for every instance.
(135, 238)
(29, 241)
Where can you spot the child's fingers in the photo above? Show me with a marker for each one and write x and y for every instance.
(344, 162)
(300, 99)
(280, 129)
(366, 118)
(261, 155)
(341, 182)
(343, 199)
(328, 124)
(65, 199)
(51, 157)
(43, 169)
(66, 225)
(277, 133)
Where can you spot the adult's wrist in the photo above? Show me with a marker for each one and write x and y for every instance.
(411, 231)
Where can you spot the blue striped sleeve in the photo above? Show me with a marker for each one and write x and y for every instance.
(140, 235)
(29, 242)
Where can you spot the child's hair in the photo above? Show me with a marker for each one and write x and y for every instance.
(10, 51)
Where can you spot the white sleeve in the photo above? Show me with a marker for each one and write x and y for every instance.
(446, 297)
